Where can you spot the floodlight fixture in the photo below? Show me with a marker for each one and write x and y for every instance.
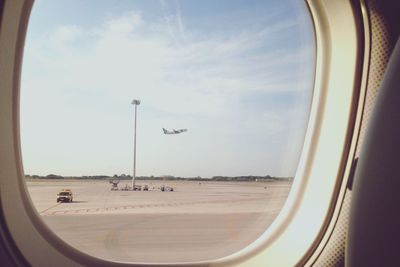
(135, 102)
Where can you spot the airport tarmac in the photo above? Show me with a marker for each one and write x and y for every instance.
(195, 222)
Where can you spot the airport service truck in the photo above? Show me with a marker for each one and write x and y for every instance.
(65, 195)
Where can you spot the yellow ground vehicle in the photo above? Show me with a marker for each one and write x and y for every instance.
(65, 195)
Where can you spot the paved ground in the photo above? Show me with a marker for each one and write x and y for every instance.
(198, 221)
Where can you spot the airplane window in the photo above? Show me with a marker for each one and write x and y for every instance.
(164, 131)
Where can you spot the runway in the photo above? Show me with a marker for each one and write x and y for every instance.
(196, 222)
(160, 237)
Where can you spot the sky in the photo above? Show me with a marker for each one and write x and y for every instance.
(237, 74)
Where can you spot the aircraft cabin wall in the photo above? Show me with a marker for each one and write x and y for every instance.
(382, 32)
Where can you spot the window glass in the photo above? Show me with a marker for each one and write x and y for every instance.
(205, 103)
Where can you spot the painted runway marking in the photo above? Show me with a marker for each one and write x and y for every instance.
(59, 203)
(138, 206)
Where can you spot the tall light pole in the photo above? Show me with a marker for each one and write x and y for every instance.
(135, 103)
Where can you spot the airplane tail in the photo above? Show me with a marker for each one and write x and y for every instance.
(164, 130)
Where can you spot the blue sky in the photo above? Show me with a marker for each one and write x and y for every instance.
(236, 74)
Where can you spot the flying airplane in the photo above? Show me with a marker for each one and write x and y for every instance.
(174, 131)
(338, 214)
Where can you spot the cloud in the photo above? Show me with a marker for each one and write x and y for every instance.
(65, 34)
(179, 17)
(173, 21)
(83, 79)
(124, 24)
